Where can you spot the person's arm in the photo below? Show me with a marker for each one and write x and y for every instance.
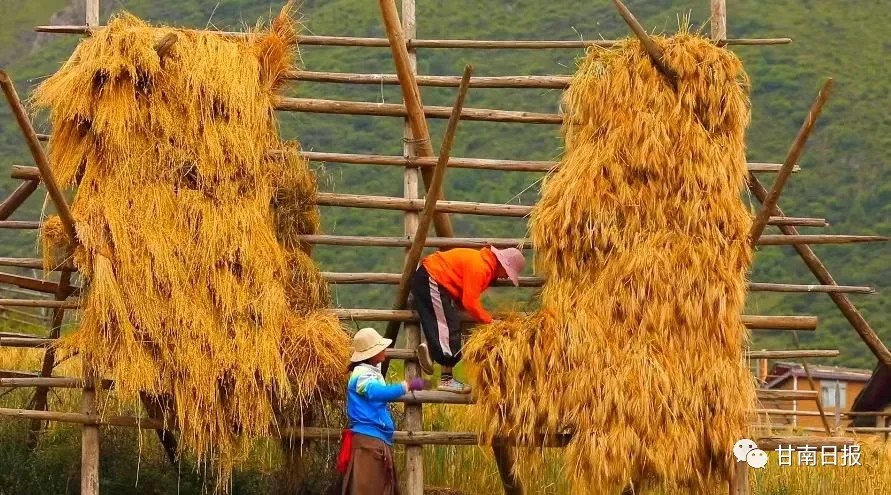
(376, 391)
(475, 283)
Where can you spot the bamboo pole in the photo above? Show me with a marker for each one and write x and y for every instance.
(39, 156)
(769, 204)
(413, 108)
(793, 354)
(850, 312)
(344, 107)
(33, 263)
(32, 303)
(27, 173)
(18, 196)
(306, 40)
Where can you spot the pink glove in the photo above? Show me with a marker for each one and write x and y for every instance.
(416, 384)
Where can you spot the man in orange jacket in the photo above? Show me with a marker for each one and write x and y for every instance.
(444, 284)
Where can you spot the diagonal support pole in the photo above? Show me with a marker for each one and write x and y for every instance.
(770, 202)
(18, 109)
(649, 45)
(21, 193)
(850, 312)
(412, 96)
(427, 215)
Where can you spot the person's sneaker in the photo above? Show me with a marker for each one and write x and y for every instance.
(424, 359)
(453, 385)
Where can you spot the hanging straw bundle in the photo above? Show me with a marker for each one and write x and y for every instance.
(193, 293)
(643, 239)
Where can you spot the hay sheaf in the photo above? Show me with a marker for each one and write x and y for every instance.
(190, 293)
(642, 237)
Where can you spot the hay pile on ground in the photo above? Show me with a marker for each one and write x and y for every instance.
(642, 237)
(198, 292)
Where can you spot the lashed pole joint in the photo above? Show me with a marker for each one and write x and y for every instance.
(427, 214)
(770, 202)
(39, 155)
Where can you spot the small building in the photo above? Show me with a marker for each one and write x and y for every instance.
(838, 388)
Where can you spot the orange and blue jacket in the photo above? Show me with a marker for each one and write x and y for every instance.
(465, 274)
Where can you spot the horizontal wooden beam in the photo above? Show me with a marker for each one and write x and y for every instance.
(29, 283)
(541, 82)
(26, 342)
(36, 263)
(345, 278)
(793, 354)
(474, 242)
(403, 204)
(31, 173)
(750, 321)
(308, 40)
(344, 107)
(785, 395)
(788, 240)
(19, 224)
(799, 412)
(769, 287)
(38, 303)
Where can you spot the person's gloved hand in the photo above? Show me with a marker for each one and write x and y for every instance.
(416, 384)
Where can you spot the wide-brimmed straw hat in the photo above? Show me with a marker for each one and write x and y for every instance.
(367, 343)
(513, 262)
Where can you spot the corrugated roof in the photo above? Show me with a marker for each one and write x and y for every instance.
(784, 370)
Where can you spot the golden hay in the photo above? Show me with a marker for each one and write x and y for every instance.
(190, 292)
(643, 239)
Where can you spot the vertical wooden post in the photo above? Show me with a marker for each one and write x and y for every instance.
(92, 12)
(838, 406)
(414, 418)
(504, 460)
(739, 483)
(49, 357)
(719, 20)
(89, 466)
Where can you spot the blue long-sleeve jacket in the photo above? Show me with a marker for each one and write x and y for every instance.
(367, 398)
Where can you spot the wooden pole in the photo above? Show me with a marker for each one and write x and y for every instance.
(422, 225)
(92, 12)
(306, 40)
(405, 69)
(770, 202)
(813, 385)
(850, 312)
(739, 482)
(49, 357)
(719, 20)
(39, 156)
(89, 468)
(21, 193)
(416, 141)
(29, 173)
(346, 107)
(649, 45)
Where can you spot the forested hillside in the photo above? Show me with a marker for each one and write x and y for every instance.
(845, 174)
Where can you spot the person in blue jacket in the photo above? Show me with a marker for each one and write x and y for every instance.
(370, 469)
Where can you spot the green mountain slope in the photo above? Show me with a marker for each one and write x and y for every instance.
(845, 176)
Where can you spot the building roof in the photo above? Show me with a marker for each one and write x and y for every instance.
(784, 370)
(875, 396)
